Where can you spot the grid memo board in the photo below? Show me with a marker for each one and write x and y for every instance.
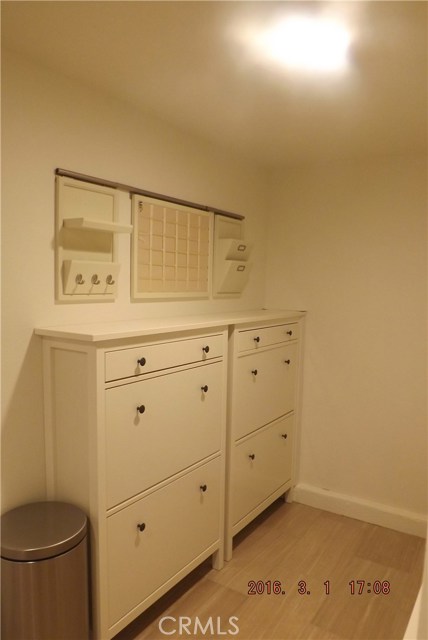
(171, 252)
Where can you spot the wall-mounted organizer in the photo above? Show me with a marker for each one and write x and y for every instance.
(86, 225)
(231, 252)
(171, 250)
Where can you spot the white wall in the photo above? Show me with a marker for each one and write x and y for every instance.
(347, 242)
(50, 121)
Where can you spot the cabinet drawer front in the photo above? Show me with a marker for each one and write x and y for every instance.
(136, 361)
(262, 463)
(263, 388)
(178, 423)
(252, 339)
(181, 521)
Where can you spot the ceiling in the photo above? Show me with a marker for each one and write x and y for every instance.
(187, 62)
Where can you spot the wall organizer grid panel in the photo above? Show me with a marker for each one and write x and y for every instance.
(171, 250)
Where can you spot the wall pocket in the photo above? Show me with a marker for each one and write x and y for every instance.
(231, 253)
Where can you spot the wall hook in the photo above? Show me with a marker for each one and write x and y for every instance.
(95, 279)
(79, 279)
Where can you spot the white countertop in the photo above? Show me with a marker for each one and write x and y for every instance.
(101, 331)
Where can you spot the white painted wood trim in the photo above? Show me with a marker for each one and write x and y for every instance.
(373, 512)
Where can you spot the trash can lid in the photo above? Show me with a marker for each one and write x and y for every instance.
(41, 530)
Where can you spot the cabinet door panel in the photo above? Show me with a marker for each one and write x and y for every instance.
(261, 464)
(178, 423)
(263, 388)
(179, 522)
(136, 361)
(253, 339)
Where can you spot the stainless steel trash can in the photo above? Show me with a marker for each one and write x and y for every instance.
(44, 573)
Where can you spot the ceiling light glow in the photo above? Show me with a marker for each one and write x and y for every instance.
(307, 44)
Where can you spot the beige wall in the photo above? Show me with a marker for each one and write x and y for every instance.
(48, 122)
(347, 242)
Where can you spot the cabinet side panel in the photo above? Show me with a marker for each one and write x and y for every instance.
(69, 434)
(298, 404)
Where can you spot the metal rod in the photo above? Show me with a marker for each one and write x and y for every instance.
(143, 192)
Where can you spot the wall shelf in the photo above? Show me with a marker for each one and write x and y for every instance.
(96, 225)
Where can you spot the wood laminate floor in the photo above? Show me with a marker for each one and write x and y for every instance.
(321, 562)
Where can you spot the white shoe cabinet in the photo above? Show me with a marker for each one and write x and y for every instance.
(136, 431)
(262, 402)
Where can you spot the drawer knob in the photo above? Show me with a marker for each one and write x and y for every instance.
(254, 372)
(252, 456)
(284, 435)
(141, 362)
(203, 488)
(289, 333)
(206, 349)
(204, 388)
(287, 361)
(141, 526)
(257, 339)
(141, 408)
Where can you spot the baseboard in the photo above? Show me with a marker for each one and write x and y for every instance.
(373, 512)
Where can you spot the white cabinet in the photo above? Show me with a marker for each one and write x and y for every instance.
(264, 363)
(136, 437)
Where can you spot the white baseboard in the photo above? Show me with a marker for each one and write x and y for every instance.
(373, 512)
